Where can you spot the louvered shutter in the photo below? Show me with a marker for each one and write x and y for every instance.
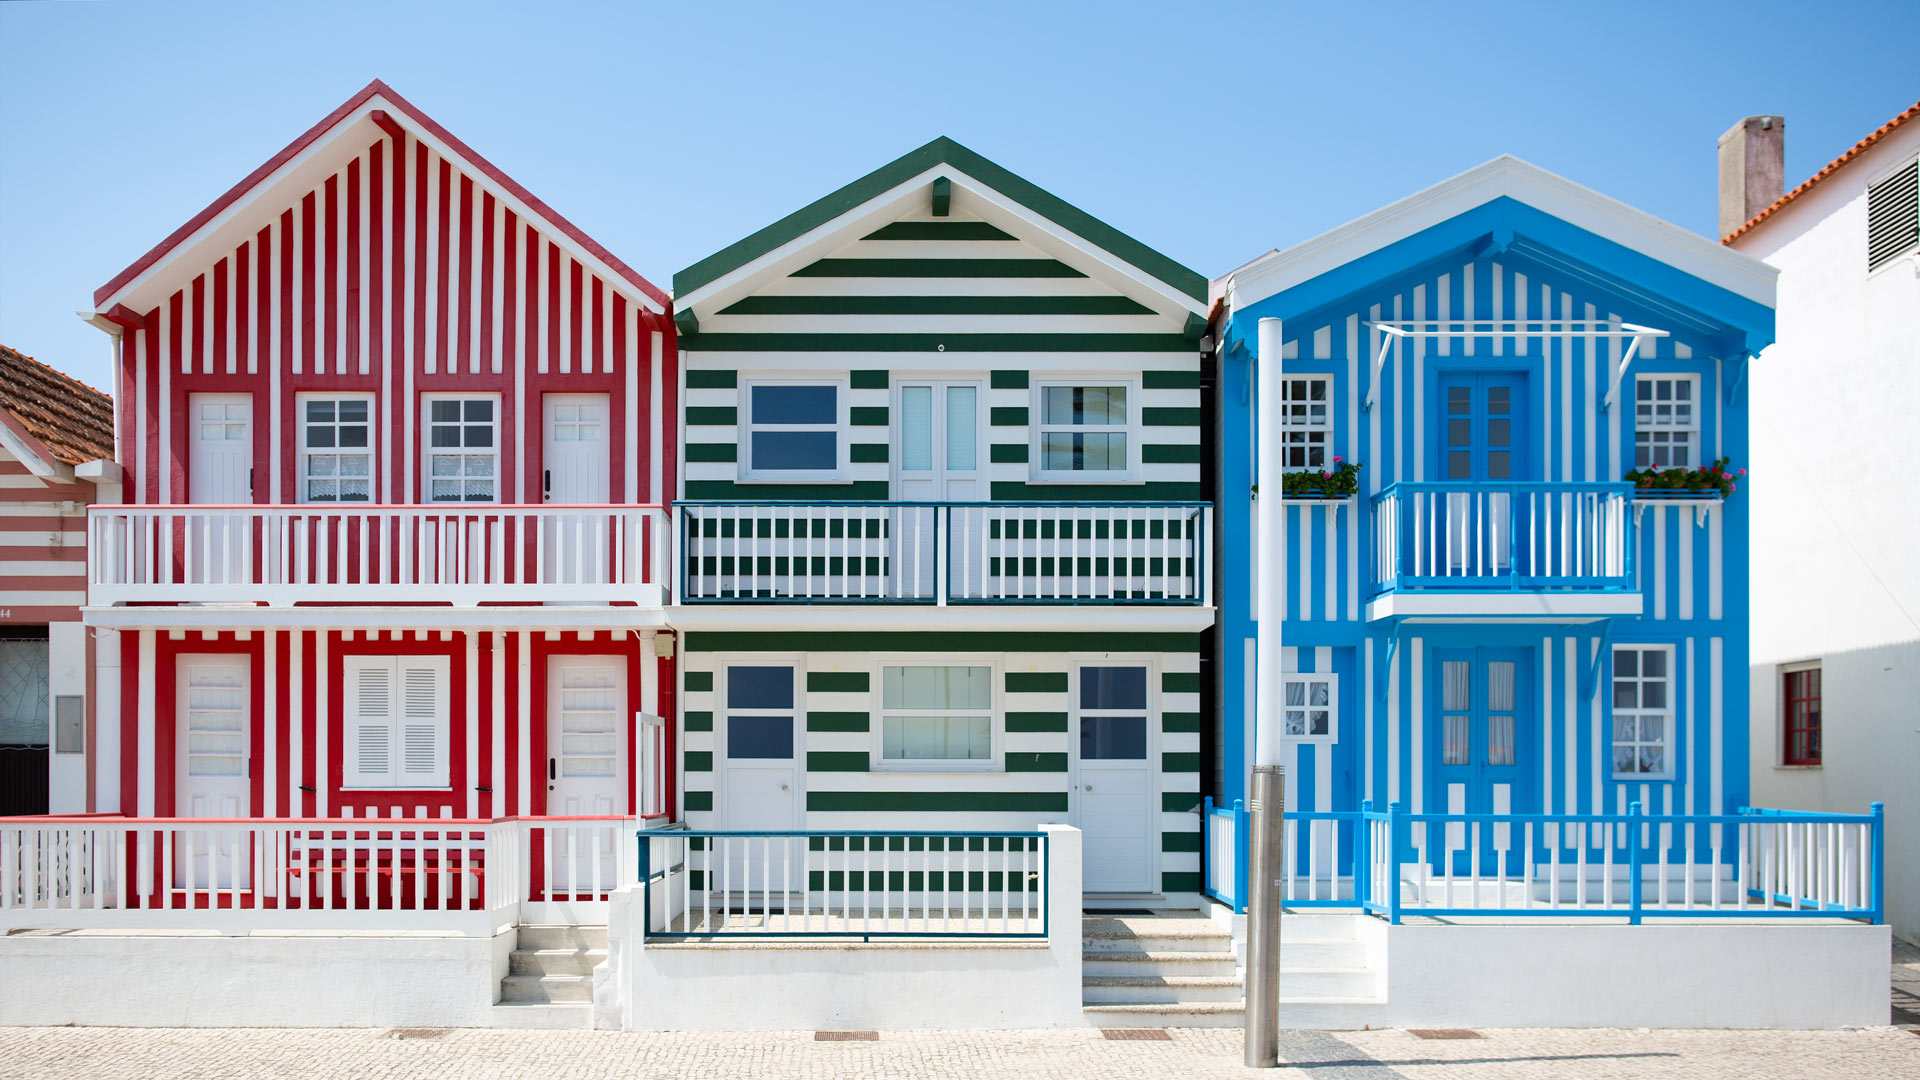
(370, 721)
(1893, 215)
(423, 722)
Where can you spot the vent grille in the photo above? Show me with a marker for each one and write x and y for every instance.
(1893, 215)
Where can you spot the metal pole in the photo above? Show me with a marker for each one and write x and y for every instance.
(1266, 844)
(1267, 793)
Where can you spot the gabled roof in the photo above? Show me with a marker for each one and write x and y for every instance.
(1505, 177)
(62, 416)
(1832, 167)
(356, 115)
(941, 157)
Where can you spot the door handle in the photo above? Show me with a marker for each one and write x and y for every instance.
(1089, 787)
(783, 787)
(546, 483)
(553, 769)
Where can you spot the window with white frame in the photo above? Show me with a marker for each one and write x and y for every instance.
(1306, 423)
(396, 722)
(936, 716)
(1086, 431)
(1310, 709)
(793, 430)
(463, 449)
(1642, 712)
(336, 448)
(1666, 422)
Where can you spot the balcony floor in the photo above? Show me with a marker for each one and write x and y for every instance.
(1505, 605)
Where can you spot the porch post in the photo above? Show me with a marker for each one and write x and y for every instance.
(1267, 804)
(1879, 812)
(1633, 863)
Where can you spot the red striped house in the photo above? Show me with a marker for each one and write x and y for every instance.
(394, 435)
(56, 444)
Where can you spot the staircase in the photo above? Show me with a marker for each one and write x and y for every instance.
(549, 981)
(1187, 971)
(1159, 971)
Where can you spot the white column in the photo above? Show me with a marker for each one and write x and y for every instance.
(144, 806)
(1270, 559)
(106, 721)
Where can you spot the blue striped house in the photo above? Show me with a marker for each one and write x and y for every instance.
(1497, 620)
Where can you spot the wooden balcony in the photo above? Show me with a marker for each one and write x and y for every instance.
(457, 554)
(939, 554)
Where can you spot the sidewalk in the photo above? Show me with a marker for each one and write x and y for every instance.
(201, 1054)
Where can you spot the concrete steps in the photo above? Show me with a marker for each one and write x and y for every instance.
(549, 982)
(1158, 971)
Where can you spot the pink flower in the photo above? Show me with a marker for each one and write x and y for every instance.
(1743, 472)
(1731, 488)
(1336, 459)
(1653, 468)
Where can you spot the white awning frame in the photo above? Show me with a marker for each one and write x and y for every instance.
(1396, 329)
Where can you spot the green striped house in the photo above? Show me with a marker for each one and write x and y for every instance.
(944, 535)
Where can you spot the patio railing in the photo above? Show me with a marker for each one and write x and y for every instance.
(845, 884)
(1752, 864)
(1503, 535)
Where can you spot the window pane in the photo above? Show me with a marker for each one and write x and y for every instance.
(1500, 740)
(1623, 759)
(1653, 759)
(759, 687)
(962, 428)
(1626, 694)
(916, 428)
(1653, 663)
(1056, 450)
(1459, 400)
(1296, 722)
(446, 412)
(353, 410)
(1296, 692)
(353, 434)
(796, 450)
(1113, 738)
(935, 738)
(759, 737)
(796, 405)
(320, 437)
(1459, 466)
(936, 687)
(320, 410)
(478, 410)
(1499, 399)
(1455, 692)
(1453, 747)
(1114, 688)
(1499, 465)
(1500, 685)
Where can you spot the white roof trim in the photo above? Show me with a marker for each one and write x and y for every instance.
(1507, 176)
(969, 194)
(299, 174)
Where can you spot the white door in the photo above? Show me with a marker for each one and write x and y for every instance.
(586, 763)
(219, 473)
(1115, 800)
(574, 472)
(938, 455)
(211, 780)
(759, 783)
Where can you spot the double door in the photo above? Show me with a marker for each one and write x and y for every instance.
(1480, 455)
(1482, 739)
(939, 456)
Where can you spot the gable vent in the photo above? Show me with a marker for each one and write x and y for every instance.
(1893, 215)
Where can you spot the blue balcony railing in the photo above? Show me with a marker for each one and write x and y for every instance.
(944, 553)
(1503, 536)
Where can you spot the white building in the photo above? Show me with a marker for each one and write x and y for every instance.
(1836, 590)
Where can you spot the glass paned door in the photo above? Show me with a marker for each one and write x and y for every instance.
(1481, 451)
(939, 455)
(1481, 733)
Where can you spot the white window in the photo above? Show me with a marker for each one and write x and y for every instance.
(396, 722)
(793, 430)
(463, 448)
(937, 716)
(1306, 424)
(1642, 712)
(1666, 422)
(336, 448)
(1086, 431)
(1311, 711)
(1893, 215)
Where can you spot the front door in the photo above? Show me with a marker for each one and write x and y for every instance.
(759, 784)
(574, 472)
(1115, 803)
(1483, 738)
(938, 456)
(211, 779)
(219, 473)
(586, 760)
(1482, 452)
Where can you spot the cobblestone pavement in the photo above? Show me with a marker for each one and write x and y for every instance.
(105, 1053)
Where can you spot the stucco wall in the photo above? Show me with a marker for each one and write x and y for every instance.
(1668, 976)
(206, 981)
(1834, 447)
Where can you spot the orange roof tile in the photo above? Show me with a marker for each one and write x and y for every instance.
(1832, 167)
(68, 417)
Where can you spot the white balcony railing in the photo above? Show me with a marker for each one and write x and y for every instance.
(1503, 535)
(941, 553)
(460, 554)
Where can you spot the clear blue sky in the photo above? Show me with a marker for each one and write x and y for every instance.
(1213, 131)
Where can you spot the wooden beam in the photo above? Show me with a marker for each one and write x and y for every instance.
(942, 195)
(689, 325)
(387, 123)
(124, 316)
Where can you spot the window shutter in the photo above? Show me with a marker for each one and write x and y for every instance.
(423, 722)
(370, 722)
(1893, 215)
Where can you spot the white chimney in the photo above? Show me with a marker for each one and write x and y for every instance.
(1752, 169)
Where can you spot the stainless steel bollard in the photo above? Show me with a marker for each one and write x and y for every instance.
(1266, 853)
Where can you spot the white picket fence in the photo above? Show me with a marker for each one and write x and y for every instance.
(392, 871)
(458, 553)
